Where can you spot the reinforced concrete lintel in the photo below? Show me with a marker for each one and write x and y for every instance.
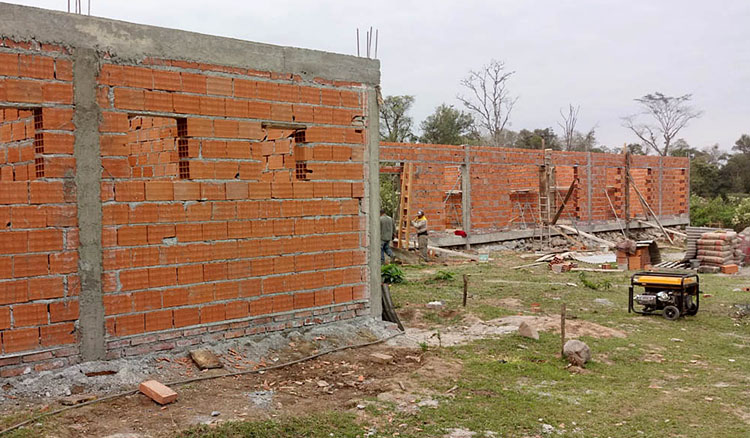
(502, 236)
(131, 43)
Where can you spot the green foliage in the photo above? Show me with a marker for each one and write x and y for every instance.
(538, 139)
(717, 212)
(444, 275)
(594, 285)
(423, 345)
(741, 218)
(319, 425)
(392, 274)
(395, 122)
(742, 144)
(448, 125)
(389, 194)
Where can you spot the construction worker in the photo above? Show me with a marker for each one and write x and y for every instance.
(420, 226)
(386, 235)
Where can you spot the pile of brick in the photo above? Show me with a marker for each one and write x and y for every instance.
(719, 251)
(634, 256)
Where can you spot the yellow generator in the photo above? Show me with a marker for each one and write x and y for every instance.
(672, 294)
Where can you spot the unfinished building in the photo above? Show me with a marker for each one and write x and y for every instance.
(161, 188)
(496, 194)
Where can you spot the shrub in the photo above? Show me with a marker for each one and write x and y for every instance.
(444, 275)
(391, 274)
(718, 212)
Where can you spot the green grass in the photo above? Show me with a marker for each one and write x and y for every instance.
(696, 391)
(513, 386)
(331, 424)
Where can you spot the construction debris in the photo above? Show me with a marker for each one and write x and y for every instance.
(205, 358)
(77, 399)
(157, 392)
(435, 305)
(558, 265)
(381, 358)
(606, 243)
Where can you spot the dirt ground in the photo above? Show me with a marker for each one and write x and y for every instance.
(470, 327)
(339, 381)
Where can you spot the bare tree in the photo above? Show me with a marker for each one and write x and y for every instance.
(489, 99)
(568, 125)
(670, 114)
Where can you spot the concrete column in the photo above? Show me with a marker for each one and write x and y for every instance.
(466, 194)
(661, 186)
(589, 190)
(373, 191)
(88, 178)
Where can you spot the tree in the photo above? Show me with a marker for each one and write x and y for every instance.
(743, 144)
(734, 176)
(669, 115)
(395, 123)
(568, 125)
(448, 125)
(538, 139)
(489, 99)
(636, 149)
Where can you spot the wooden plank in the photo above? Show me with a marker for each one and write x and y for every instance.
(565, 201)
(565, 235)
(614, 212)
(588, 236)
(648, 207)
(529, 265)
(595, 270)
(453, 253)
(676, 233)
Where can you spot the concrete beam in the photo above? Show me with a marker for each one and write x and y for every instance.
(502, 236)
(129, 42)
(88, 174)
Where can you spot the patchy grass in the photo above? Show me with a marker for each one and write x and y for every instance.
(688, 378)
(333, 424)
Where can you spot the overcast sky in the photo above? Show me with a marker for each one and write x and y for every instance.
(594, 53)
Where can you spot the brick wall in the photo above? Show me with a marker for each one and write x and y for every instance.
(39, 284)
(233, 203)
(505, 184)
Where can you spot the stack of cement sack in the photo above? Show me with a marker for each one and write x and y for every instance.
(718, 249)
(745, 245)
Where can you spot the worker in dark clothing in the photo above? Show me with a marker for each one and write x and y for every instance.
(386, 235)
(420, 226)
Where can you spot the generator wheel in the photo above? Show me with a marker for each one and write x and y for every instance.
(671, 313)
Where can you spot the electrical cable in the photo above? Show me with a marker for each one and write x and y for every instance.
(198, 379)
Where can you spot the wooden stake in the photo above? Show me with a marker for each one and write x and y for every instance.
(562, 331)
(466, 288)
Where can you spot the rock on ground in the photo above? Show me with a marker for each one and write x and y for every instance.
(528, 331)
(577, 352)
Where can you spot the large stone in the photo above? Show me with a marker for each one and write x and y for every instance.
(382, 358)
(528, 331)
(205, 358)
(577, 352)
